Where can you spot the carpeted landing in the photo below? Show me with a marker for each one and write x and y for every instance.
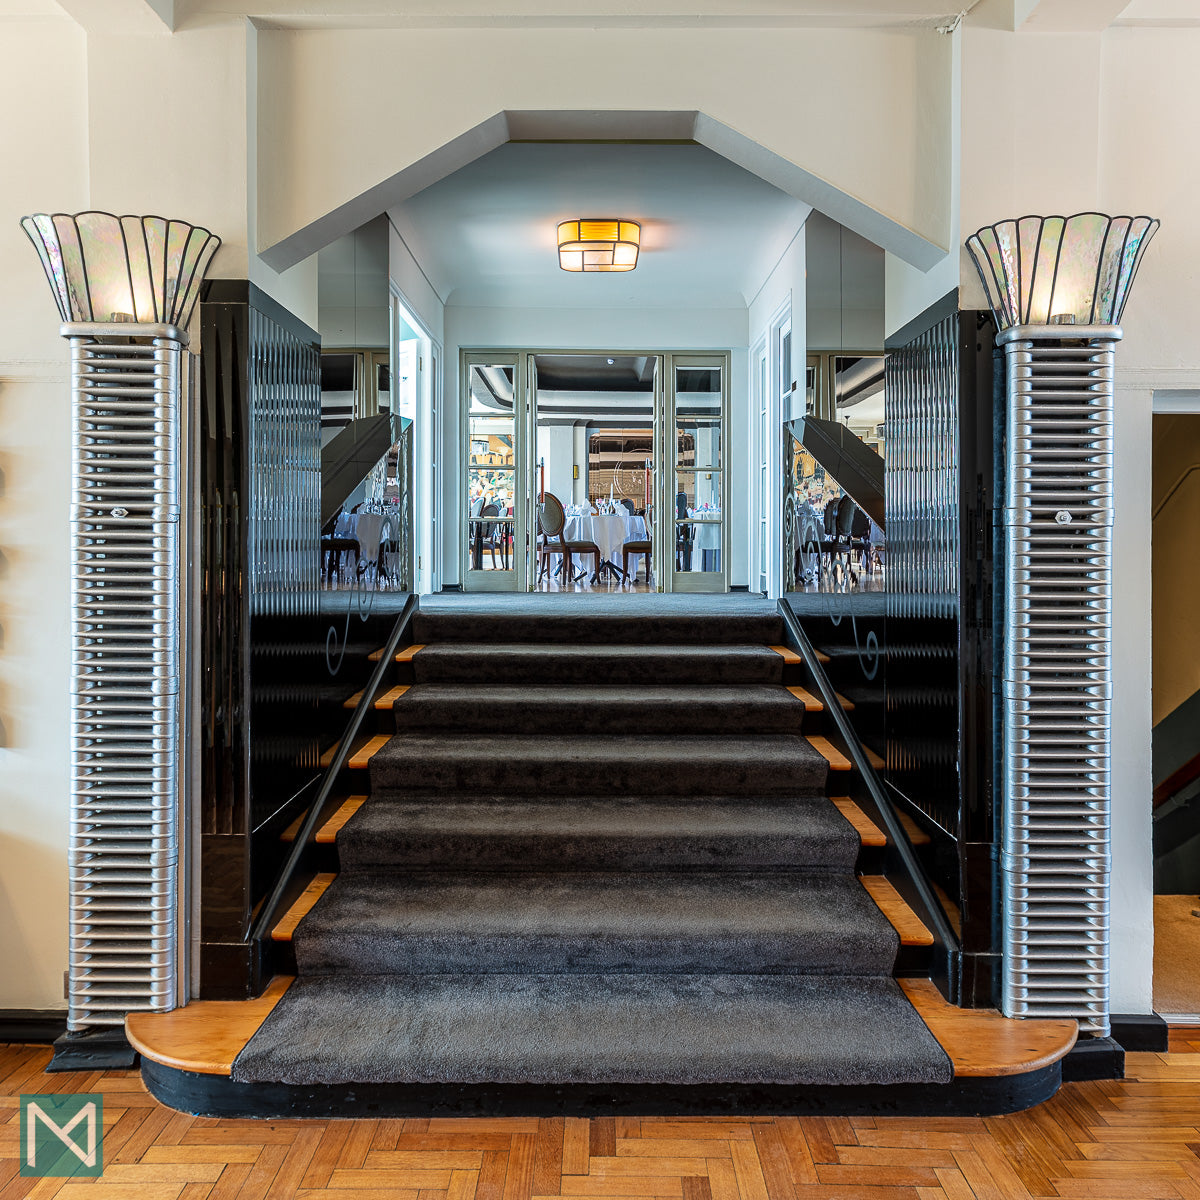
(598, 850)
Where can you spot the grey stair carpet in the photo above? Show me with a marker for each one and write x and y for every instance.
(559, 708)
(565, 765)
(598, 619)
(557, 1029)
(630, 666)
(597, 833)
(566, 921)
(598, 850)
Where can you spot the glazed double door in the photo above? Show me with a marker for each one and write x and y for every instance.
(654, 438)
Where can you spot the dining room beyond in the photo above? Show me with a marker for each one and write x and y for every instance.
(610, 478)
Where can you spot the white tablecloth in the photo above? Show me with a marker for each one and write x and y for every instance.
(366, 528)
(609, 531)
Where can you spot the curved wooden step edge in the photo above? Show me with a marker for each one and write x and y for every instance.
(982, 1043)
(868, 832)
(207, 1035)
(303, 906)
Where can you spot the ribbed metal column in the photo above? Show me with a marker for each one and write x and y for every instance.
(1055, 851)
(126, 702)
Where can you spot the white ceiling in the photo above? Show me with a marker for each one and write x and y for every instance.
(711, 231)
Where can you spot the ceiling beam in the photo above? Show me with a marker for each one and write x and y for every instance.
(122, 16)
(1070, 16)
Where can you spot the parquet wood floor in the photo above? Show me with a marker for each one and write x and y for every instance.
(1121, 1140)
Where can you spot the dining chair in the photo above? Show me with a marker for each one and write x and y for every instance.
(638, 547)
(552, 521)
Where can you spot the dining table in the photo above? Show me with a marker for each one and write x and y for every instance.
(610, 531)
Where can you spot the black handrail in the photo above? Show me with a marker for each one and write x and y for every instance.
(269, 914)
(934, 915)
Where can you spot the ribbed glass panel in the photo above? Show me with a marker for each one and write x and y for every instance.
(285, 471)
(922, 496)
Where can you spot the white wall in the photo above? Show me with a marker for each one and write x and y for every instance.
(865, 113)
(909, 291)
(46, 155)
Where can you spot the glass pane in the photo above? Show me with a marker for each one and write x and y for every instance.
(698, 521)
(698, 417)
(491, 468)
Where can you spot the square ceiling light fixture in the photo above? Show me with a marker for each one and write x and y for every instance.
(610, 244)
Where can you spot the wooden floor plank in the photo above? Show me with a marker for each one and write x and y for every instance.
(1124, 1139)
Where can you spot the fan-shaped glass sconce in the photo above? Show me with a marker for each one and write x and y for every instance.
(599, 245)
(107, 268)
(1060, 270)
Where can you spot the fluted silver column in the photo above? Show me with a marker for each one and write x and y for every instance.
(127, 638)
(1057, 675)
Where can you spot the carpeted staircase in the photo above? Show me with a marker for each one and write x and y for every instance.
(598, 849)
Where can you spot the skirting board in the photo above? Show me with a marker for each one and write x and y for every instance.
(39, 1025)
(1139, 1031)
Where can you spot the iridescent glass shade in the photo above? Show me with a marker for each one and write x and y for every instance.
(102, 267)
(1038, 270)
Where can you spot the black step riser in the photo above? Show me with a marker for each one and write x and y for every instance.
(531, 670)
(592, 718)
(449, 852)
(598, 631)
(539, 778)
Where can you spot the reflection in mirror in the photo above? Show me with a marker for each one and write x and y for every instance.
(830, 543)
(365, 543)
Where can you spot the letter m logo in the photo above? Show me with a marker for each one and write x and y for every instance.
(62, 1136)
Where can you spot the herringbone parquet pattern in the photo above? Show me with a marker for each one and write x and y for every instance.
(1138, 1138)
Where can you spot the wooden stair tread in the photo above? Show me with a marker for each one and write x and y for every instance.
(868, 832)
(916, 834)
(792, 659)
(206, 1035)
(904, 921)
(353, 701)
(408, 653)
(828, 751)
(389, 698)
(810, 702)
(328, 832)
(873, 758)
(980, 1042)
(360, 756)
(303, 906)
